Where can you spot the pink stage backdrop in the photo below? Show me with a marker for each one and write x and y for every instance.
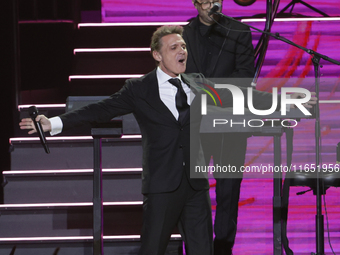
(182, 10)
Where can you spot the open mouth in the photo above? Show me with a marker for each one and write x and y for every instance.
(182, 60)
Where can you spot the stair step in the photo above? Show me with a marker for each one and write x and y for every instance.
(69, 221)
(113, 62)
(75, 152)
(9, 208)
(65, 224)
(76, 239)
(114, 35)
(70, 186)
(80, 245)
(96, 86)
(68, 172)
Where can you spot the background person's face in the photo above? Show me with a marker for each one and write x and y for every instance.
(203, 13)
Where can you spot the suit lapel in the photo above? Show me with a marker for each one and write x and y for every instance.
(152, 96)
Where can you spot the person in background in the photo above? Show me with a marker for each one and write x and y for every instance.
(221, 52)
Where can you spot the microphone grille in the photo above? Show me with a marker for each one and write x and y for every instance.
(218, 5)
(33, 111)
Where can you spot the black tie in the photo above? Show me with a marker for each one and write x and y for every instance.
(181, 99)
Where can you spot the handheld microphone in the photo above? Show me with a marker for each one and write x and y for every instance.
(216, 7)
(33, 112)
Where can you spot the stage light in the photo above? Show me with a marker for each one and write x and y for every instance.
(244, 2)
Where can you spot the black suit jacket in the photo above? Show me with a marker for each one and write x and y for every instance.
(232, 53)
(165, 142)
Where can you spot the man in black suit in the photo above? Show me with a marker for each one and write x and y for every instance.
(221, 50)
(160, 106)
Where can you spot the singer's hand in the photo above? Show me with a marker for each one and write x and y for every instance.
(27, 123)
(309, 104)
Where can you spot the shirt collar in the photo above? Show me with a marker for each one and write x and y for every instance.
(163, 77)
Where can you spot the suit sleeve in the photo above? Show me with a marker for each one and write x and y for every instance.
(118, 104)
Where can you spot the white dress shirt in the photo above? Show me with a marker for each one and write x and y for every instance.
(167, 91)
